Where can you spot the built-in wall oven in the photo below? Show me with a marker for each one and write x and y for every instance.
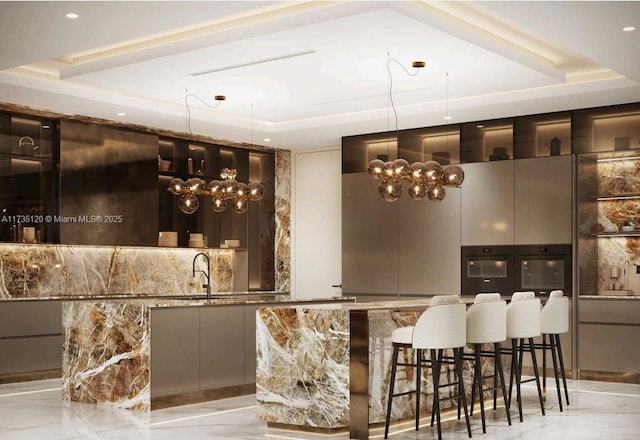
(487, 269)
(543, 268)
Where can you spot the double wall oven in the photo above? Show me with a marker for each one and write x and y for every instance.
(508, 269)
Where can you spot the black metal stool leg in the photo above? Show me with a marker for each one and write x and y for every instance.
(418, 381)
(498, 362)
(436, 390)
(434, 359)
(518, 375)
(555, 370)
(564, 377)
(458, 360)
(495, 383)
(394, 366)
(477, 348)
(473, 388)
(537, 376)
(544, 366)
(513, 370)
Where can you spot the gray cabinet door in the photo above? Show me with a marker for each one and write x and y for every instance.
(222, 351)
(369, 237)
(608, 335)
(544, 200)
(429, 234)
(175, 344)
(30, 336)
(487, 203)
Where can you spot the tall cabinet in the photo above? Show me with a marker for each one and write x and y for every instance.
(79, 182)
(28, 178)
(487, 203)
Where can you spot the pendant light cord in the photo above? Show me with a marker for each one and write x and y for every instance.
(186, 103)
(393, 105)
(395, 113)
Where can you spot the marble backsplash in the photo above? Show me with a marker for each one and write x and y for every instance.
(42, 271)
(618, 178)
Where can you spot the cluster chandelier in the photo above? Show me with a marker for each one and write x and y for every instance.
(221, 191)
(425, 178)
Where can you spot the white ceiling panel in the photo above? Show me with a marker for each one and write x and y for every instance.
(311, 72)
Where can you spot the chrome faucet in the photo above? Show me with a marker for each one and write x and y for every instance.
(207, 273)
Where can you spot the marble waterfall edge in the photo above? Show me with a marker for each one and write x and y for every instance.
(303, 368)
(106, 354)
(302, 375)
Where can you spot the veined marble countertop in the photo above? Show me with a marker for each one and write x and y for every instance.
(422, 303)
(132, 296)
(191, 300)
(616, 297)
(279, 299)
(216, 300)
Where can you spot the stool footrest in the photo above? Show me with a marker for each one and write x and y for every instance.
(406, 393)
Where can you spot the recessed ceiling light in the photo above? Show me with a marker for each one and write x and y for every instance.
(447, 118)
(71, 15)
(629, 28)
(122, 114)
(46, 127)
(267, 139)
(479, 126)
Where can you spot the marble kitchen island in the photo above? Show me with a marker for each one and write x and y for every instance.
(142, 354)
(327, 367)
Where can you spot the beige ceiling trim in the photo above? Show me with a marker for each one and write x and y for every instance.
(601, 75)
(33, 71)
(252, 17)
(482, 21)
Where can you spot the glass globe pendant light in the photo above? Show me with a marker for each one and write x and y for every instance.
(220, 191)
(424, 178)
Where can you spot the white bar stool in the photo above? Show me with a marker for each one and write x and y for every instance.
(441, 326)
(487, 324)
(554, 320)
(523, 322)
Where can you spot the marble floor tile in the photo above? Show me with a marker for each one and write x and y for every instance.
(35, 410)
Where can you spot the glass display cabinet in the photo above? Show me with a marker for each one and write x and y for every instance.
(29, 161)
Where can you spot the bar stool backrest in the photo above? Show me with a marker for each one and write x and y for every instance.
(487, 319)
(556, 294)
(487, 297)
(523, 317)
(442, 325)
(444, 299)
(554, 316)
(517, 296)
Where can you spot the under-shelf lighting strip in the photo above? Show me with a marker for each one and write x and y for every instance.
(618, 159)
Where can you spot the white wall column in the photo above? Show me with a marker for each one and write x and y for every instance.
(316, 229)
